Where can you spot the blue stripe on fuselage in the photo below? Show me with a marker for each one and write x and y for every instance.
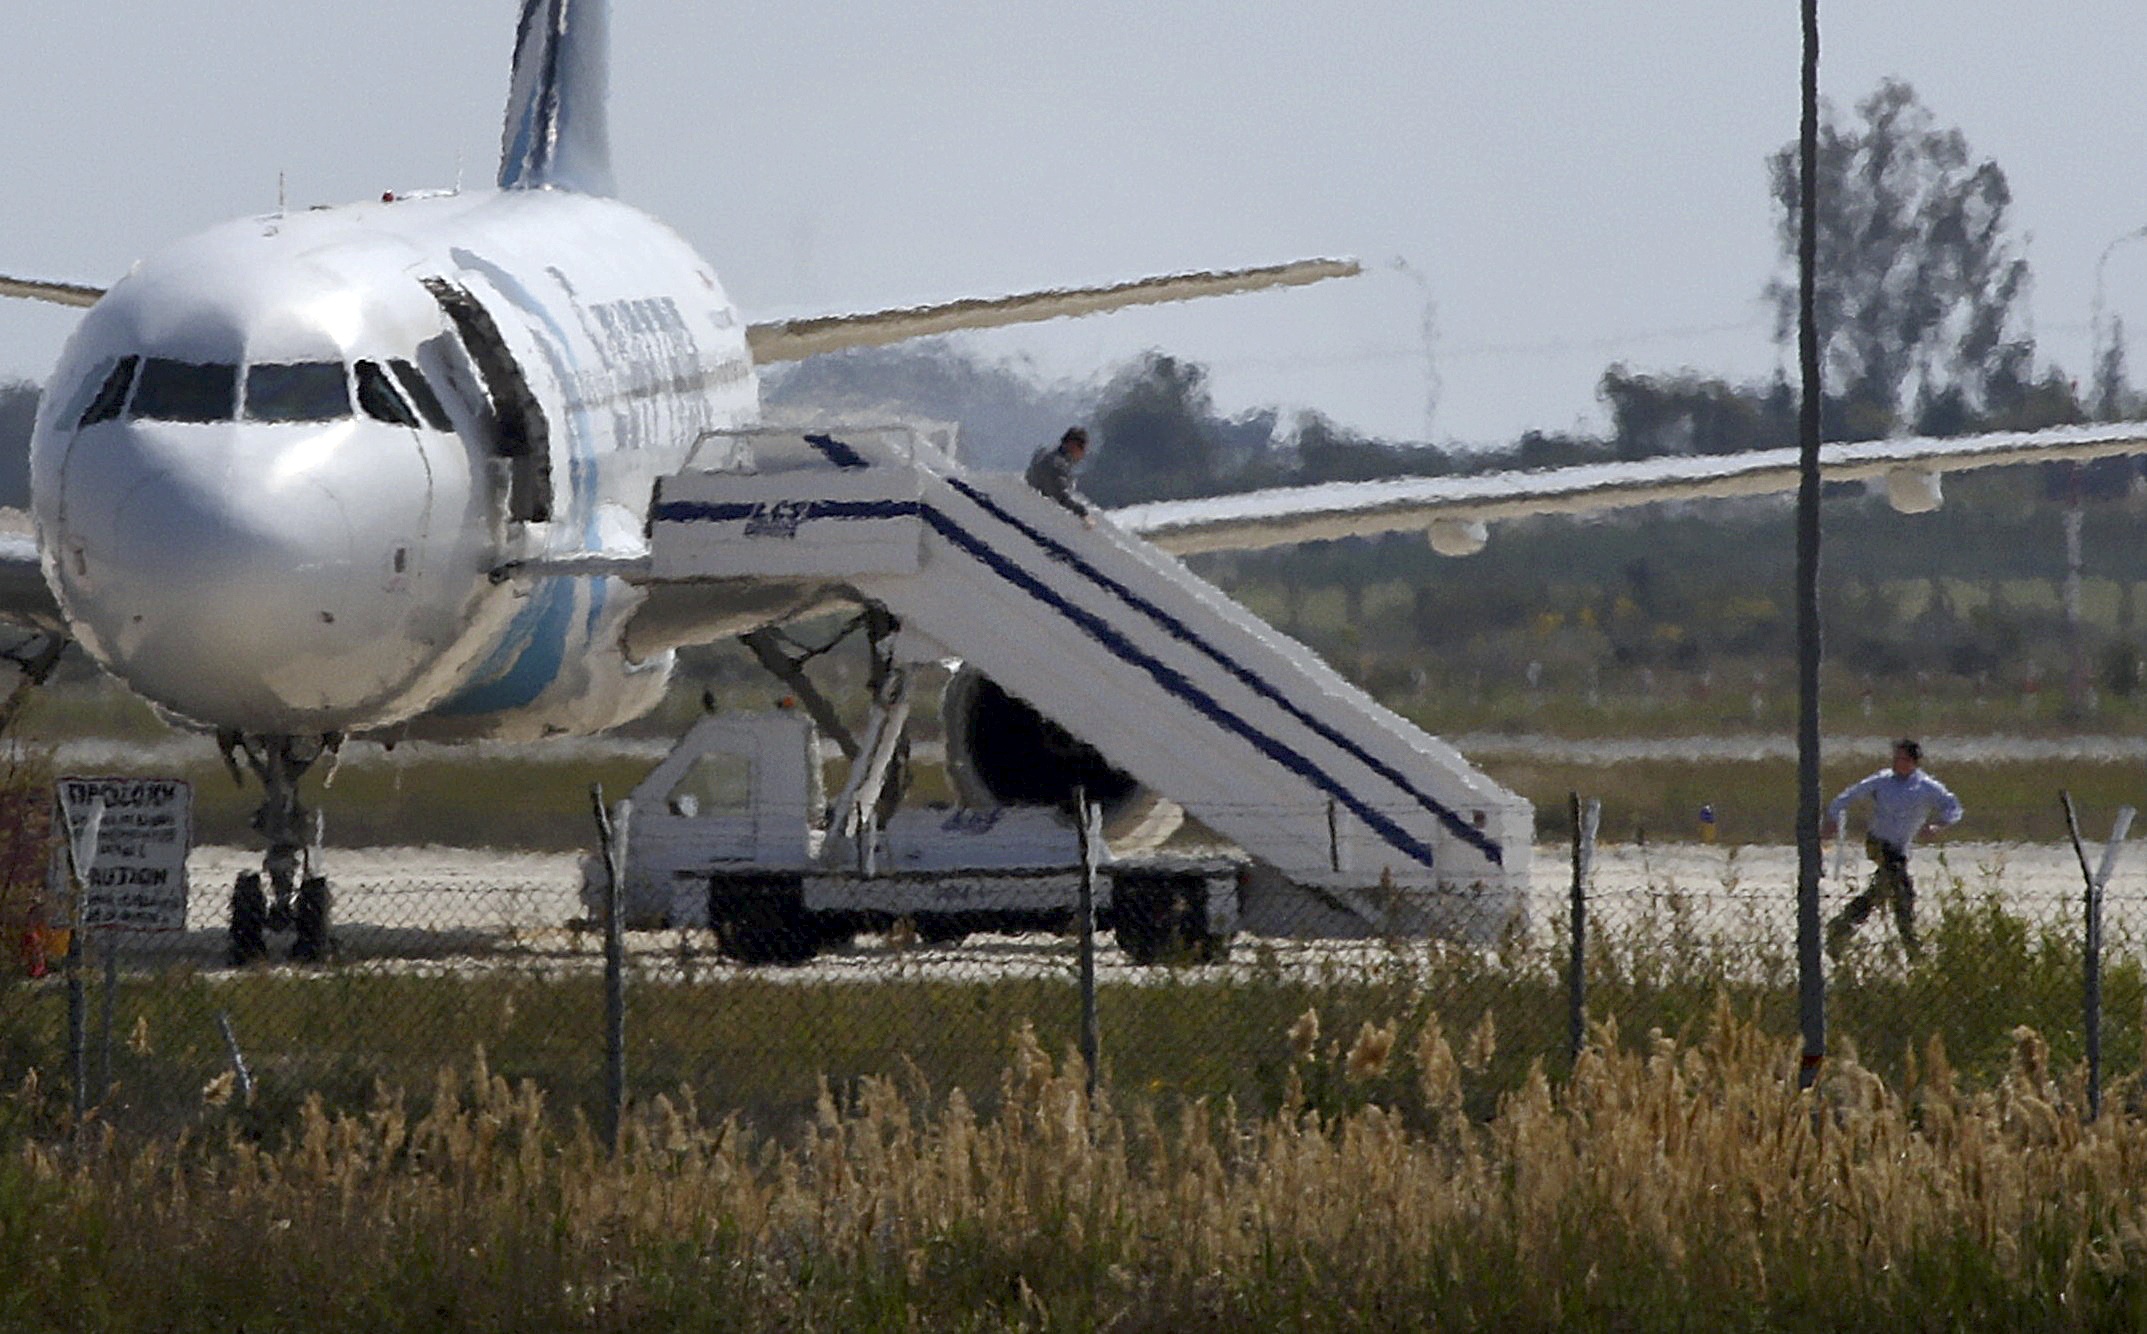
(528, 657)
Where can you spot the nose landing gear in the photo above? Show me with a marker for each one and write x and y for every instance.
(295, 899)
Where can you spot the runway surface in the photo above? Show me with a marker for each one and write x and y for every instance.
(469, 910)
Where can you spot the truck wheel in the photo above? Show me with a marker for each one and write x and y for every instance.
(249, 920)
(761, 920)
(1164, 920)
(941, 929)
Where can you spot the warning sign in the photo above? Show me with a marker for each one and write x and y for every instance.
(131, 837)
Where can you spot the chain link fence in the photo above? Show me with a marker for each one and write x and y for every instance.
(447, 957)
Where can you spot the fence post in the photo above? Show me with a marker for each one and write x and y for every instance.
(77, 1021)
(2091, 988)
(614, 975)
(106, 1013)
(79, 850)
(1587, 818)
(1091, 837)
(58, 886)
(2119, 827)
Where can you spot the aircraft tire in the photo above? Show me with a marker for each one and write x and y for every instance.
(249, 920)
(311, 920)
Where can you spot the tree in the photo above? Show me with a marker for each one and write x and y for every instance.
(1327, 452)
(1690, 414)
(2115, 399)
(1160, 435)
(1921, 294)
(1004, 414)
(1541, 449)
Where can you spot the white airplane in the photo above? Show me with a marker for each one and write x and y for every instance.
(376, 469)
(282, 466)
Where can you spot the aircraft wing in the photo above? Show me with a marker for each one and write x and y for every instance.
(793, 340)
(58, 293)
(1454, 510)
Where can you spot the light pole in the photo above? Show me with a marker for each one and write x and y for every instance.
(2105, 408)
(1429, 332)
(2097, 331)
(1811, 981)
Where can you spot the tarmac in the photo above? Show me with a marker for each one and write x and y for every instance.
(473, 910)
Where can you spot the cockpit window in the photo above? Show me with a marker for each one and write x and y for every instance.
(304, 391)
(185, 391)
(428, 403)
(377, 396)
(112, 394)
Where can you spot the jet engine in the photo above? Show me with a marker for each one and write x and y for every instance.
(1001, 752)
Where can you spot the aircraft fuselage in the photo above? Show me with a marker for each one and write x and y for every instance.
(279, 463)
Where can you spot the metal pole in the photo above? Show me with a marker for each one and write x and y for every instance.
(77, 1021)
(2075, 639)
(614, 976)
(1586, 819)
(1811, 983)
(1428, 329)
(1091, 837)
(60, 884)
(2119, 827)
(2105, 406)
(106, 1014)
(2096, 882)
(2091, 988)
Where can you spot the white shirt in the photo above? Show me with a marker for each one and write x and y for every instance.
(1900, 806)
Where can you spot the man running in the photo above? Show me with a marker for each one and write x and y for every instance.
(1904, 801)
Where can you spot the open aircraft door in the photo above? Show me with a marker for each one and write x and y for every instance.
(519, 430)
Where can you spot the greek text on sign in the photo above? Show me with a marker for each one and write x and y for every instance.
(136, 878)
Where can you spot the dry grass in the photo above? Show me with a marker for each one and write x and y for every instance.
(1662, 1185)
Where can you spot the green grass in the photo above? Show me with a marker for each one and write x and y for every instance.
(760, 1043)
(1755, 800)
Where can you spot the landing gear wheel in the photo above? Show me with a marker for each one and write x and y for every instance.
(311, 921)
(293, 899)
(761, 920)
(1164, 919)
(249, 920)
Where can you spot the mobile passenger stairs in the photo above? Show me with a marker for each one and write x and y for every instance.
(1355, 822)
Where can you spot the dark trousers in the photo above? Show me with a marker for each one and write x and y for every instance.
(1890, 883)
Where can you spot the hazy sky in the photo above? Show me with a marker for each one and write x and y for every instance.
(1571, 185)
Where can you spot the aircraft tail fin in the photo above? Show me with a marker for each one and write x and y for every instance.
(557, 134)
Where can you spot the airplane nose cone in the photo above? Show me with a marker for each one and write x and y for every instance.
(207, 583)
(232, 584)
